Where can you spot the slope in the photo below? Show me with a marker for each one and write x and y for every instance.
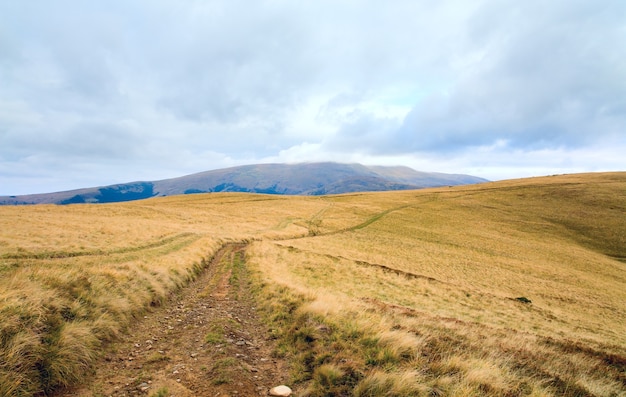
(507, 288)
(293, 179)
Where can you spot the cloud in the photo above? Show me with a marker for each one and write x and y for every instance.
(152, 89)
(547, 76)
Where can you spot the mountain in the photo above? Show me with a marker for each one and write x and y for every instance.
(292, 179)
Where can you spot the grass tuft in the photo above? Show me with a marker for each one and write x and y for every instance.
(162, 392)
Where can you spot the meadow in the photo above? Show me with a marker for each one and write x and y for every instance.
(508, 288)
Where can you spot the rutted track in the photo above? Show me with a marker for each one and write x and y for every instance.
(207, 340)
(180, 238)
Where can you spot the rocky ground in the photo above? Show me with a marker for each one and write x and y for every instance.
(206, 341)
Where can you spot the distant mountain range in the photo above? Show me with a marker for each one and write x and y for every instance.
(292, 179)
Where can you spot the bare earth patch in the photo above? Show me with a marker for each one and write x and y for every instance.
(205, 341)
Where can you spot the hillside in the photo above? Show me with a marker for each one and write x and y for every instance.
(292, 179)
(507, 288)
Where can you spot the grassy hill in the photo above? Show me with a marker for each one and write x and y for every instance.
(294, 179)
(508, 288)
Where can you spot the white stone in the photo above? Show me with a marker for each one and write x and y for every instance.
(280, 391)
(143, 387)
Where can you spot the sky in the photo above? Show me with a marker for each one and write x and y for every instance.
(99, 92)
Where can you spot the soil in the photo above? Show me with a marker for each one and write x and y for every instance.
(207, 340)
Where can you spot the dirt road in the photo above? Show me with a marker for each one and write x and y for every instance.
(206, 341)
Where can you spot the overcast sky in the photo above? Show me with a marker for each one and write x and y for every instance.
(101, 92)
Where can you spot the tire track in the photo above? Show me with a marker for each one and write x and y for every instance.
(207, 340)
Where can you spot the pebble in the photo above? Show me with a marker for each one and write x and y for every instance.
(280, 391)
(143, 387)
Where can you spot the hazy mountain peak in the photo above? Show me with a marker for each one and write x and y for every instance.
(294, 179)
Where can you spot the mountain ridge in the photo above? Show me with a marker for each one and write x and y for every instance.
(274, 178)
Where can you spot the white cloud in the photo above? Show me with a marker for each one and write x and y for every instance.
(154, 89)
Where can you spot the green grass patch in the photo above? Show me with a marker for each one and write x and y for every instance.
(223, 371)
(214, 338)
(157, 357)
(162, 392)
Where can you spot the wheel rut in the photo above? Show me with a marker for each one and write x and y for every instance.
(207, 340)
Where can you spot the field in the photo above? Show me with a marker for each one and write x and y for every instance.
(510, 288)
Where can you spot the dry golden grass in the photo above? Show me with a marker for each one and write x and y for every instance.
(431, 280)
(396, 293)
(73, 277)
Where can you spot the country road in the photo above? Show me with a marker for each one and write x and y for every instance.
(207, 340)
